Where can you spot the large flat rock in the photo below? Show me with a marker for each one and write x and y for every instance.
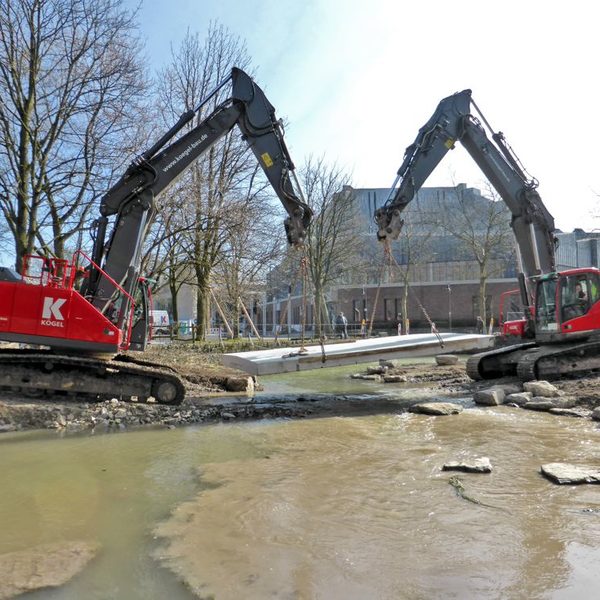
(44, 566)
(283, 360)
(564, 473)
(436, 408)
(475, 465)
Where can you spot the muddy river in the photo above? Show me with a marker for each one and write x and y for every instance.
(326, 508)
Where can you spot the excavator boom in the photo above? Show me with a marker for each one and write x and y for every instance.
(453, 121)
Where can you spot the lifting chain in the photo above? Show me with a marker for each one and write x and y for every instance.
(301, 273)
(304, 271)
(386, 263)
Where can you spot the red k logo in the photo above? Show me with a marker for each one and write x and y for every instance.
(52, 308)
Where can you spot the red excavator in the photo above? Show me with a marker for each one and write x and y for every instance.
(560, 326)
(83, 309)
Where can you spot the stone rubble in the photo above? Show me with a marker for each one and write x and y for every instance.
(584, 413)
(386, 364)
(546, 404)
(446, 359)
(115, 414)
(21, 414)
(493, 396)
(541, 388)
(436, 408)
(476, 465)
(395, 378)
(518, 398)
(564, 473)
(367, 377)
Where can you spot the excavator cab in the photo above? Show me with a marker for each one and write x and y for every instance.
(567, 304)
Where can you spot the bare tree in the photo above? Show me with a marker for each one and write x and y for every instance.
(70, 82)
(249, 252)
(481, 225)
(331, 242)
(164, 260)
(215, 180)
(411, 250)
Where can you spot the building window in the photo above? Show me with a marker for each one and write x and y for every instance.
(387, 306)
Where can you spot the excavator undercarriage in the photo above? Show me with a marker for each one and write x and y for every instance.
(529, 361)
(40, 373)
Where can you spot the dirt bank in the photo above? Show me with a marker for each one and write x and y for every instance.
(207, 400)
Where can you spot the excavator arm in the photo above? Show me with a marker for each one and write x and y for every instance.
(453, 121)
(132, 199)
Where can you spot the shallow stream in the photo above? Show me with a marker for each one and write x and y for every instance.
(325, 508)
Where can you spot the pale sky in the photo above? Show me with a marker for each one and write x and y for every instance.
(356, 80)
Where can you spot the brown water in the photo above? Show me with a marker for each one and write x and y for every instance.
(338, 381)
(333, 508)
(358, 508)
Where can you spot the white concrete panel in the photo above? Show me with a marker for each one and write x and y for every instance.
(282, 360)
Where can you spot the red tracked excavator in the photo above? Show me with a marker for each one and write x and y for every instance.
(81, 308)
(560, 327)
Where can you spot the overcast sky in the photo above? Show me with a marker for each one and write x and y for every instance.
(356, 80)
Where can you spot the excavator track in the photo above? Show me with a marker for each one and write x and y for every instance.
(496, 363)
(44, 373)
(554, 362)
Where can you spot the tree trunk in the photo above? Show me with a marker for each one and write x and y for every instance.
(482, 289)
(174, 291)
(202, 312)
(322, 323)
(236, 316)
(405, 321)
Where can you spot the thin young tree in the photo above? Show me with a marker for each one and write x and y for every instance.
(331, 242)
(412, 250)
(249, 252)
(164, 261)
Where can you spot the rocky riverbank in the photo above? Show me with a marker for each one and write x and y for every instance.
(210, 398)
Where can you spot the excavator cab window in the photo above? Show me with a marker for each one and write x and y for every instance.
(575, 296)
(545, 306)
(140, 331)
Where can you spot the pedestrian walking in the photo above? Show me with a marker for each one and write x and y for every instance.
(480, 325)
(342, 323)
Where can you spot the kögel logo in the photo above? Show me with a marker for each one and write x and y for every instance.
(51, 314)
